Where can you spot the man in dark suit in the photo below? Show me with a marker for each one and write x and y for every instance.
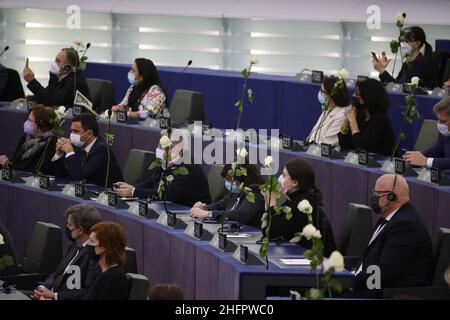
(85, 155)
(80, 219)
(185, 189)
(400, 245)
(438, 155)
(60, 90)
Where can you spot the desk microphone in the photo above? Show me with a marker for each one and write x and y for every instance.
(4, 50)
(179, 75)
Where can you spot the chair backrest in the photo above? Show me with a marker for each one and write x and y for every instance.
(130, 261)
(441, 256)
(427, 136)
(44, 250)
(102, 93)
(136, 167)
(13, 89)
(356, 230)
(216, 182)
(439, 61)
(446, 75)
(186, 106)
(138, 285)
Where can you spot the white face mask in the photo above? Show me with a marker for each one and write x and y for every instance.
(406, 48)
(131, 77)
(76, 140)
(443, 129)
(54, 68)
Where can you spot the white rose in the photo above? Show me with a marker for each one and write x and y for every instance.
(268, 161)
(335, 261)
(305, 207)
(343, 73)
(241, 152)
(415, 81)
(309, 231)
(169, 178)
(78, 42)
(249, 92)
(1, 239)
(399, 18)
(254, 60)
(165, 142)
(233, 166)
(61, 110)
(317, 235)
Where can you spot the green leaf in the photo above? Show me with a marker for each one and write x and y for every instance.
(289, 215)
(183, 171)
(308, 254)
(243, 171)
(244, 72)
(250, 197)
(264, 216)
(238, 173)
(230, 173)
(263, 250)
(295, 239)
(394, 46)
(402, 136)
(155, 164)
(251, 98)
(83, 59)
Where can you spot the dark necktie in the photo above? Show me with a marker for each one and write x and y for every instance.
(83, 157)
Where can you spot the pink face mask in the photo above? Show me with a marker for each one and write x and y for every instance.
(28, 128)
(281, 180)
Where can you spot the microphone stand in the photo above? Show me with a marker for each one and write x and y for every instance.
(107, 148)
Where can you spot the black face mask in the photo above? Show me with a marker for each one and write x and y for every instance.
(356, 103)
(375, 203)
(93, 256)
(69, 235)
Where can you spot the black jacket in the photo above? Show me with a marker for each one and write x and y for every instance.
(402, 250)
(31, 163)
(237, 208)
(185, 190)
(375, 135)
(283, 229)
(421, 67)
(89, 271)
(8, 249)
(59, 93)
(92, 167)
(110, 285)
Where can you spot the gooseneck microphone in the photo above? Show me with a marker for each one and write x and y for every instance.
(179, 75)
(4, 50)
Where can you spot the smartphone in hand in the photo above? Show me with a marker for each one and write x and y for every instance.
(375, 56)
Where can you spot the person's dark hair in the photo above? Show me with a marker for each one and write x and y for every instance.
(111, 236)
(72, 57)
(442, 106)
(301, 171)
(416, 33)
(88, 122)
(149, 73)
(84, 216)
(340, 96)
(43, 116)
(163, 291)
(252, 177)
(374, 95)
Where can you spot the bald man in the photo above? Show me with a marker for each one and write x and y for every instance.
(400, 245)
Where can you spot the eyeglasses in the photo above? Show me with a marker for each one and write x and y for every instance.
(380, 192)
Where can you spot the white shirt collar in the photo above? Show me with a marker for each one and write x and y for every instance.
(389, 217)
(89, 146)
(85, 243)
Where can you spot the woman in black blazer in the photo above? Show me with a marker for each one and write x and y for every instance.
(298, 183)
(368, 126)
(235, 205)
(108, 240)
(37, 146)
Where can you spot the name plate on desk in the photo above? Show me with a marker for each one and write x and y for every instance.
(164, 123)
(80, 190)
(171, 219)
(317, 76)
(363, 157)
(222, 241)
(326, 150)
(7, 173)
(143, 208)
(44, 182)
(243, 253)
(77, 110)
(31, 102)
(286, 142)
(198, 229)
(112, 199)
(122, 116)
(407, 87)
(399, 166)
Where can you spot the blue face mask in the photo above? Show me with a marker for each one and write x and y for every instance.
(321, 98)
(232, 187)
(131, 77)
(443, 129)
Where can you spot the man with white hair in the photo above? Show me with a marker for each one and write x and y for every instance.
(185, 189)
(400, 245)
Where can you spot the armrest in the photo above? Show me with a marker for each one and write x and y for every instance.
(414, 293)
(25, 281)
